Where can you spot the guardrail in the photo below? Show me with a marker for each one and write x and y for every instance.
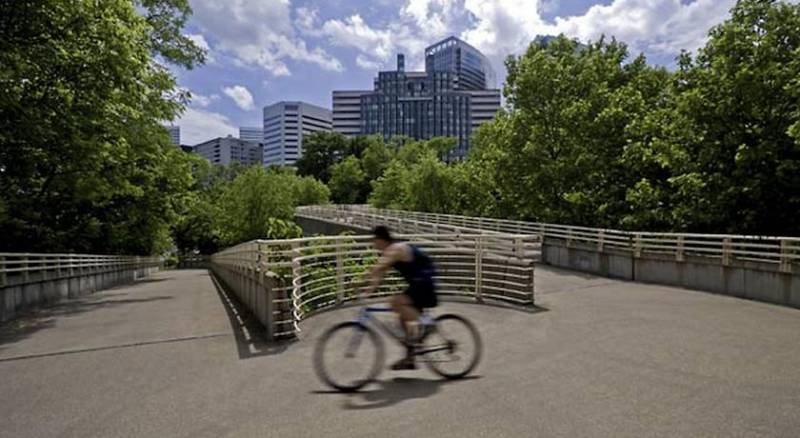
(783, 252)
(284, 281)
(763, 268)
(27, 279)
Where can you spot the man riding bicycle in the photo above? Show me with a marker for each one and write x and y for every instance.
(418, 271)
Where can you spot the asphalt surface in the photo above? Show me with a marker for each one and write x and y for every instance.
(170, 357)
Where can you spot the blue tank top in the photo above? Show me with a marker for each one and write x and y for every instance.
(419, 269)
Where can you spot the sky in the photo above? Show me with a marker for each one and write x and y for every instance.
(265, 51)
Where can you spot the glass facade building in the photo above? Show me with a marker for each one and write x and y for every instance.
(449, 99)
(472, 69)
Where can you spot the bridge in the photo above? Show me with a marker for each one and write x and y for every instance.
(186, 353)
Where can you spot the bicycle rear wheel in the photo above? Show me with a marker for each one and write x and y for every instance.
(462, 347)
(348, 356)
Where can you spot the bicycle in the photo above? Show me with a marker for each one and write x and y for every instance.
(438, 348)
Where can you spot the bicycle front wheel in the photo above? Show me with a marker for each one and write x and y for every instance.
(348, 356)
(460, 345)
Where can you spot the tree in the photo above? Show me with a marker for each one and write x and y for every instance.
(308, 191)
(320, 151)
(556, 155)
(390, 189)
(432, 186)
(84, 162)
(375, 159)
(257, 205)
(727, 145)
(348, 182)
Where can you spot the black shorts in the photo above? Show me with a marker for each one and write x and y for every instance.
(422, 294)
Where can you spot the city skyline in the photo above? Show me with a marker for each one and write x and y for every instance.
(261, 52)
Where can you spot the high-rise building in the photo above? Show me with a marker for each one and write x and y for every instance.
(285, 124)
(450, 98)
(227, 150)
(174, 134)
(472, 69)
(254, 134)
(347, 111)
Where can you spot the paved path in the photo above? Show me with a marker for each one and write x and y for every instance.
(168, 357)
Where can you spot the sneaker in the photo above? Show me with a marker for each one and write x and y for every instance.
(406, 363)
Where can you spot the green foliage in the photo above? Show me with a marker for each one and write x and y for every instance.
(320, 151)
(591, 137)
(390, 190)
(348, 181)
(84, 163)
(231, 205)
(375, 159)
(724, 154)
(308, 191)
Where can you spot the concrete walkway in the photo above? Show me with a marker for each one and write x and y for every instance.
(169, 356)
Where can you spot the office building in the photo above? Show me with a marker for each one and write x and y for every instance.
(285, 125)
(174, 134)
(228, 150)
(347, 111)
(254, 134)
(472, 69)
(451, 98)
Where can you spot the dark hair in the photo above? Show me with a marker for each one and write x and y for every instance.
(382, 233)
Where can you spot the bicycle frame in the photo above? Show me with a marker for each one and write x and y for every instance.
(365, 317)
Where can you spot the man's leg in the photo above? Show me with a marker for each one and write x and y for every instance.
(402, 304)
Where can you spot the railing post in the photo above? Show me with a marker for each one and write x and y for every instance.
(786, 263)
(3, 277)
(25, 273)
(726, 251)
(679, 252)
(479, 268)
(569, 237)
(43, 266)
(519, 248)
(297, 272)
(533, 282)
(339, 272)
(637, 246)
(601, 240)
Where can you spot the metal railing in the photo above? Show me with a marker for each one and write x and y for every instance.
(321, 272)
(782, 252)
(24, 268)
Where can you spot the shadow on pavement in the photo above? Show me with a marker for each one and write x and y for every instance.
(146, 280)
(249, 334)
(45, 317)
(391, 392)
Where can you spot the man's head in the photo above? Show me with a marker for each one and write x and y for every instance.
(381, 238)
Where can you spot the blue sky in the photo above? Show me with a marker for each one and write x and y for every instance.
(263, 51)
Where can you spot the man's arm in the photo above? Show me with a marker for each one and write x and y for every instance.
(379, 269)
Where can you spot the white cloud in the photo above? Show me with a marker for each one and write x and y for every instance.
(199, 125)
(241, 95)
(258, 33)
(367, 64)
(200, 41)
(502, 27)
(656, 26)
(203, 101)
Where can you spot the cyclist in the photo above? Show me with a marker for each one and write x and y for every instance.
(417, 269)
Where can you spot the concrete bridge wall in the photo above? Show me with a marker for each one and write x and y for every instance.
(264, 294)
(743, 279)
(739, 278)
(42, 289)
